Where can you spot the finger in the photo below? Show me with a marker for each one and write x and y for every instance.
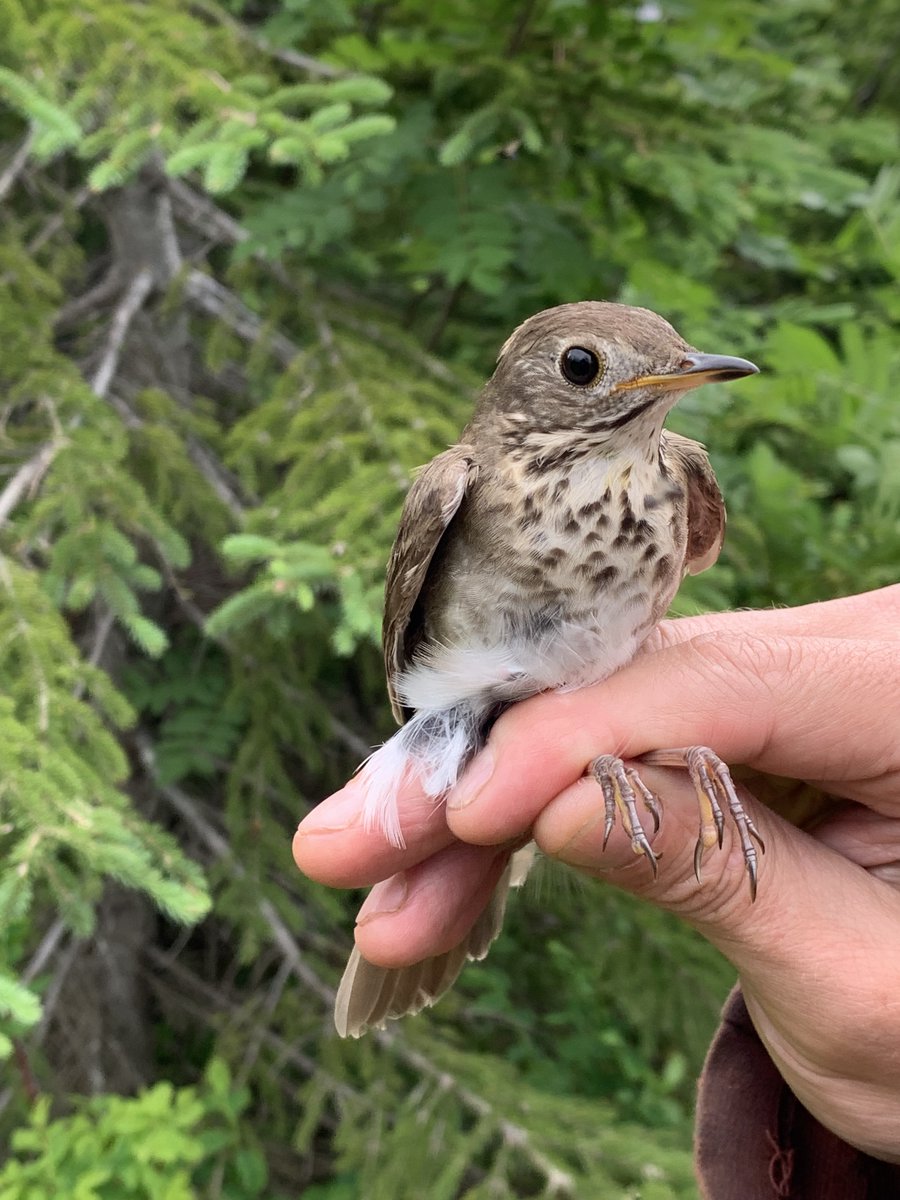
(866, 838)
(814, 952)
(869, 616)
(806, 708)
(571, 828)
(332, 845)
(429, 908)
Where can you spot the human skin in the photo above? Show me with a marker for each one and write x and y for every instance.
(810, 693)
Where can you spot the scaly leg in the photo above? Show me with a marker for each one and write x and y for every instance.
(620, 785)
(713, 784)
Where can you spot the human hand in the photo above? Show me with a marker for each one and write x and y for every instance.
(808, 694)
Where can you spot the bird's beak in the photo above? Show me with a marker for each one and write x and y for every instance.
(694, 369)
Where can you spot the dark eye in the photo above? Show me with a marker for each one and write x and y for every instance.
(579, 366)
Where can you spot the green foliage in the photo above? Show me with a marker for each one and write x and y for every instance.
(521, 1142)
(560, 1007)
(199, 720)
(193, 552)
(120, 111)
(165, 1142)
(66, 824)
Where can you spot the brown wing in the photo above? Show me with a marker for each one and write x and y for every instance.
(705, 506)
(432, 502)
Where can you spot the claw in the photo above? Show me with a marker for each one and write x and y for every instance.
(713, 782)
(715, 789)
(620, 785)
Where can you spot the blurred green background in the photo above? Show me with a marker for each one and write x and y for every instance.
(255, 259)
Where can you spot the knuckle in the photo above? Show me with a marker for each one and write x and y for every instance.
(762, 657)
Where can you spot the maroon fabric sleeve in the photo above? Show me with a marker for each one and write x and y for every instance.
(756, 1141)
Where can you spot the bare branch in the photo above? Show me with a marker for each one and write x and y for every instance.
(45, 950)
(57, 221)
(291, 58)
(202, 214)
(49, 230)
(49, 1001)
(189, 810)
(28, 478)
(219, 301)
(303, 62)
(29, 475)
(218, 477)
(559, 1182)
(351, 740)
(16, 165)
(128, 308)
(96, 297)
(106, 620)
(264, 1015)
(212, 998)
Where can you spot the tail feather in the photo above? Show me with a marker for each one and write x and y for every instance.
(370, 996)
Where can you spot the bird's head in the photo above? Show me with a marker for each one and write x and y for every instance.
(604, 371)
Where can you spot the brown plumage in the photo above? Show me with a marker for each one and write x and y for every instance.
(538, 553)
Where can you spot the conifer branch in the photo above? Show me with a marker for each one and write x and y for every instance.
(16, 165)
(211, 999)
(129, 306)
(559, 1182)
(188, 809)
(206, 217)
(50, 229)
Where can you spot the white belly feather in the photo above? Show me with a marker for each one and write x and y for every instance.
(455, 688)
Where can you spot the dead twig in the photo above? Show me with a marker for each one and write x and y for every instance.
(188, 809)
(16, 165)
(219, 301)
(129, 306)
(28, 478)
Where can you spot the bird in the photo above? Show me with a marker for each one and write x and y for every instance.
(537, 554)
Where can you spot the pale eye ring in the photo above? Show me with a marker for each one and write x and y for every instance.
(579, 366)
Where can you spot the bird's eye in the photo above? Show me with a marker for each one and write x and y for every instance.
(579, 366)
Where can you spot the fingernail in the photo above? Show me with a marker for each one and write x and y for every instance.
(338, 812)
(474, 778)
(386, 897)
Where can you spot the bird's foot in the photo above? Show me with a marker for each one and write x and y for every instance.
(621, 787)
(715, 789)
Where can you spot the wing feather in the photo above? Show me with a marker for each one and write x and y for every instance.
(431, 504)
(705, 506)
